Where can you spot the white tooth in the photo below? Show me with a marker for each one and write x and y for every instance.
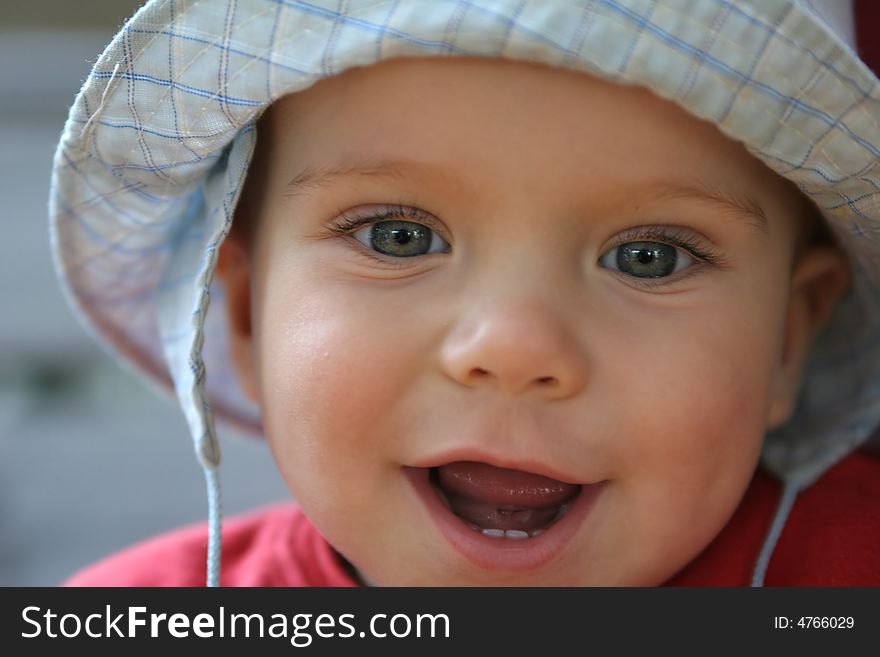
(537, 532)
(516, 534)
(562, 511)
(494, 533)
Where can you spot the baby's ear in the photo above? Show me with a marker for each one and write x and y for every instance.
(819, 280)
(234, 272)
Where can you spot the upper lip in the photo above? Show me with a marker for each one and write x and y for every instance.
(499, 461)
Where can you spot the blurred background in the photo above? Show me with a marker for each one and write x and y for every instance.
(91, 459)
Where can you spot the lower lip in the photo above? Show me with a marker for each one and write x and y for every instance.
(503, 554)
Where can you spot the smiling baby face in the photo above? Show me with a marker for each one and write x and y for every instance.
(510, 324)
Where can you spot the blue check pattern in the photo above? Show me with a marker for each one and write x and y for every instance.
(157, 144)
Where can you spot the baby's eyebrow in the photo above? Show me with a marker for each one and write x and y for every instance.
(740, 204)
(314, 177)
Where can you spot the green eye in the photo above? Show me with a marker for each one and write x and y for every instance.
(646, 259)
(401, 239)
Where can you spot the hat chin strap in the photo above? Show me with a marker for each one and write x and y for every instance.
(215, 517)
(182, 309)
(184, 298)
(783, 508)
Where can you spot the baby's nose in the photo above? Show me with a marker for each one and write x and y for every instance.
(517, 347)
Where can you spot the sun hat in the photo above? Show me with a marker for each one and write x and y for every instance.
(157, 145)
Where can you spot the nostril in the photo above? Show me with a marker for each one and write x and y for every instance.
(547, 381)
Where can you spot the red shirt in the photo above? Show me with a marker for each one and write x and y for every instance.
(831, 538)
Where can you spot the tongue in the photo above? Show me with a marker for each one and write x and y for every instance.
(499, 498)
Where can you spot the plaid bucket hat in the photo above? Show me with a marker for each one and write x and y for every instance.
(157, 145)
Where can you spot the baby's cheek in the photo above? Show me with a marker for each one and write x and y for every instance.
(723, 424)
(331, 385)
(330, 377)
(696, 442)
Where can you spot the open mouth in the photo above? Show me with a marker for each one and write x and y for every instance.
(502, 503)
(503, 520)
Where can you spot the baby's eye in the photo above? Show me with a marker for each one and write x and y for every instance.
(647, 259)
(401, 239)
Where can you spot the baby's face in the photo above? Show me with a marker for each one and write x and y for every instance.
(513, 325)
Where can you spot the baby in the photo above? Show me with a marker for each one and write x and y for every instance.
(506, 317)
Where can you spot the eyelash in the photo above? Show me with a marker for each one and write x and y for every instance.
(346, 223)
(349, 221)
(673, 236)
